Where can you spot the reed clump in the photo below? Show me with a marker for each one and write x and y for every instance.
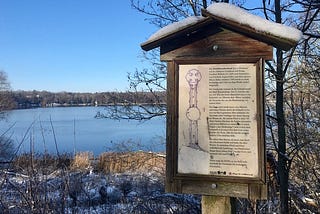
(115, 162)
(82, 161)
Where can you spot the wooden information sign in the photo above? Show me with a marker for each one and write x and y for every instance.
(220, 119)
(216, 128)
(215, 103)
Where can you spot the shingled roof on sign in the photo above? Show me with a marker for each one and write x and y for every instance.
(233, 18)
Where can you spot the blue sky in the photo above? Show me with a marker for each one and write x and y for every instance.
(70, 45)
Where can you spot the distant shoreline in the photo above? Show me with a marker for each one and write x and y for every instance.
(91, 105)
(44, 99)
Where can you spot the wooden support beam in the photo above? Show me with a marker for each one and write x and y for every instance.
(215, 204)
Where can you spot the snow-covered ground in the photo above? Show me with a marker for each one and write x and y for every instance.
(52, 185)
(88, 192)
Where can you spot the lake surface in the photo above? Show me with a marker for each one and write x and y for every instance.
(77, 129)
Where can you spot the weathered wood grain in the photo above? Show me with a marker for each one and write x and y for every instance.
(229, 45)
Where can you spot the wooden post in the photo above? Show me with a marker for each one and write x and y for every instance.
(215, 204)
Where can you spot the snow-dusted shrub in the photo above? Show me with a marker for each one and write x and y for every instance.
(6, 148)
(74, 187)
(169, 203)
(125, 187)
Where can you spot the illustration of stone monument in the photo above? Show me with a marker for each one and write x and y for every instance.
(193, 114)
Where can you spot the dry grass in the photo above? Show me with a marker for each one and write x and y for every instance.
(41, 162)
(110, 162)
(82, 161)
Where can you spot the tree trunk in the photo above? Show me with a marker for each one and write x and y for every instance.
(282, 157)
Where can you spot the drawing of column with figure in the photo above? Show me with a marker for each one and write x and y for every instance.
(193, 114)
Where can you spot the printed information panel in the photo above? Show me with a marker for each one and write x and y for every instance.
(217, 123)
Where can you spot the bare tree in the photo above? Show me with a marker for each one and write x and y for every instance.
(305, 16)
(4, 84)
(6, 101)
(303, 139)
(152, 79)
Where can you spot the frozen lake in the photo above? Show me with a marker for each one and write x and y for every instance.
(77, 129)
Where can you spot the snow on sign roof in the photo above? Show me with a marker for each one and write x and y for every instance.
(175, 26)
(235, 17)
(241, 16)
(166, 32)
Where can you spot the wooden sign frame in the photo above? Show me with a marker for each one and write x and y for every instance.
(219, 183)
(212, 41)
